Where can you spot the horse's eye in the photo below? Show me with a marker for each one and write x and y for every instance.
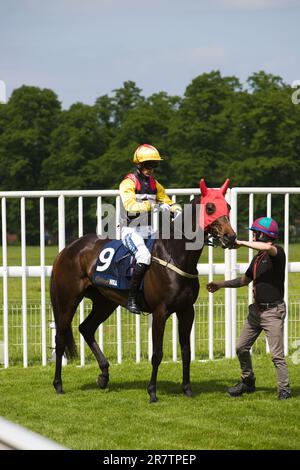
(228, 207)
(210, 208)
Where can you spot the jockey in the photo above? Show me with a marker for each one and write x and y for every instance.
(140, 194)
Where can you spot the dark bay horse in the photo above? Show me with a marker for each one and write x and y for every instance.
(165, 290)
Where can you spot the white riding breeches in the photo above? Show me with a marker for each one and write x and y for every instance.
(133, 239)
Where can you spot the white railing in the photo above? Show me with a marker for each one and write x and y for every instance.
(16, 437)
(229, 268)
(132, 340)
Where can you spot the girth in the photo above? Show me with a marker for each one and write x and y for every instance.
(174, 268)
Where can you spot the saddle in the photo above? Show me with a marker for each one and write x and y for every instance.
(115, 265)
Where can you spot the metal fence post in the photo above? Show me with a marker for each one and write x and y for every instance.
(43, 280)
(210, 306)
(81, 305)
(24, 282)
(286, 283)
(61, 223)
(5, 286)
(227, 275)
(233, 273)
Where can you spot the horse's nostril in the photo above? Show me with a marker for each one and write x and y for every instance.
(229, 238)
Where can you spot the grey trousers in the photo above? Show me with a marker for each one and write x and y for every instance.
(271, 321)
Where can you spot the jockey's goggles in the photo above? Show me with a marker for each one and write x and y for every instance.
(149, 165)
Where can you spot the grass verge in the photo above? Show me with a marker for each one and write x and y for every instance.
(121, 418)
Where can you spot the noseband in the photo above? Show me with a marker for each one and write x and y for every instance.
(211, 238)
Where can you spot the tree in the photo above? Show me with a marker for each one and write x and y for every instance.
(26, 124)
(124, 100)
(216, 130)
(198, 131)
(78, 139)
(146, 123)
(268, 129)
(28, 120)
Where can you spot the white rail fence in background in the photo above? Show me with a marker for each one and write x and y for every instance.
(25, 328)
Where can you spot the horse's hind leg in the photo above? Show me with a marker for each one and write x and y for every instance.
(102, 309)
(64, 342)
(185, 323)
(158, 327)
(65, 300)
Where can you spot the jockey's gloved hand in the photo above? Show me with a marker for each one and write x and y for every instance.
(176, 209)
(164, 207)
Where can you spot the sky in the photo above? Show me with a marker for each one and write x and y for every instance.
(83, 49)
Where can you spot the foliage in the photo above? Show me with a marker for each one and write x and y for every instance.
(217, 129)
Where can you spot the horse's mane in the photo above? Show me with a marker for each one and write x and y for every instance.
(170, 243)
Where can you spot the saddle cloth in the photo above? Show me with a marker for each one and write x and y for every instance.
(115, 265)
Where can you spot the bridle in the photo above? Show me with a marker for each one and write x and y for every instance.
(211, 236)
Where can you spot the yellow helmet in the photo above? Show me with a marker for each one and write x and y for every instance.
(145, 153)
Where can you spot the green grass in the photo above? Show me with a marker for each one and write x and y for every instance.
(121, 418)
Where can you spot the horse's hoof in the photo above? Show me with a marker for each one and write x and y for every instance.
(187, 390)
(102, 381)
(58, 388)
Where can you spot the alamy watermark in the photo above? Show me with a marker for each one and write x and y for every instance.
(155, 224)
(296, 94)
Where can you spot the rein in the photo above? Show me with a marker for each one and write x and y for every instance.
(174, 268)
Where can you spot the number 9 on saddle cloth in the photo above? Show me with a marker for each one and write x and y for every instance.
(115, 263)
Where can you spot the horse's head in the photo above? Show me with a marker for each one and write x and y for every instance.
(214, 214)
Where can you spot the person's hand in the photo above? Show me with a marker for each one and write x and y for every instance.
(213, 287)
(164, 207)
(237, 245)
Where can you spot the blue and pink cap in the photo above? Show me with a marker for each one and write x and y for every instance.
(266, 225)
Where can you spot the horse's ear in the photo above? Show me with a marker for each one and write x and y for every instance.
(203, 187)
(225, 186)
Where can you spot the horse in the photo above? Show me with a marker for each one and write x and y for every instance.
(170, 285)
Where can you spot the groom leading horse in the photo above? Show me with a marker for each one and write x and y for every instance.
(170, 281)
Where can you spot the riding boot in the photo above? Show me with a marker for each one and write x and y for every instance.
(137, 276)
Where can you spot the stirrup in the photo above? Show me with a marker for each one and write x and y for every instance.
(132, 306)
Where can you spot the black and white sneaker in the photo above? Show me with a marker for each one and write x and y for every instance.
(284, 394)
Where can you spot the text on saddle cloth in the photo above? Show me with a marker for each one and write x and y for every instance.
(115, 265)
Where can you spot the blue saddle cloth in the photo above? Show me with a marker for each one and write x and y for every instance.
(115, 264)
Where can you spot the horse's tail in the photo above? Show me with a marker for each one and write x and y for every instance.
(70, 346)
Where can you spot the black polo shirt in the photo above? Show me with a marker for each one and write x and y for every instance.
(269, 283)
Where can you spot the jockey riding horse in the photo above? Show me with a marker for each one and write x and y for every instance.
(140, 194)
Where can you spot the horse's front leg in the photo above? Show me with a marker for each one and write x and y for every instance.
(158, 328)
(185, 323)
